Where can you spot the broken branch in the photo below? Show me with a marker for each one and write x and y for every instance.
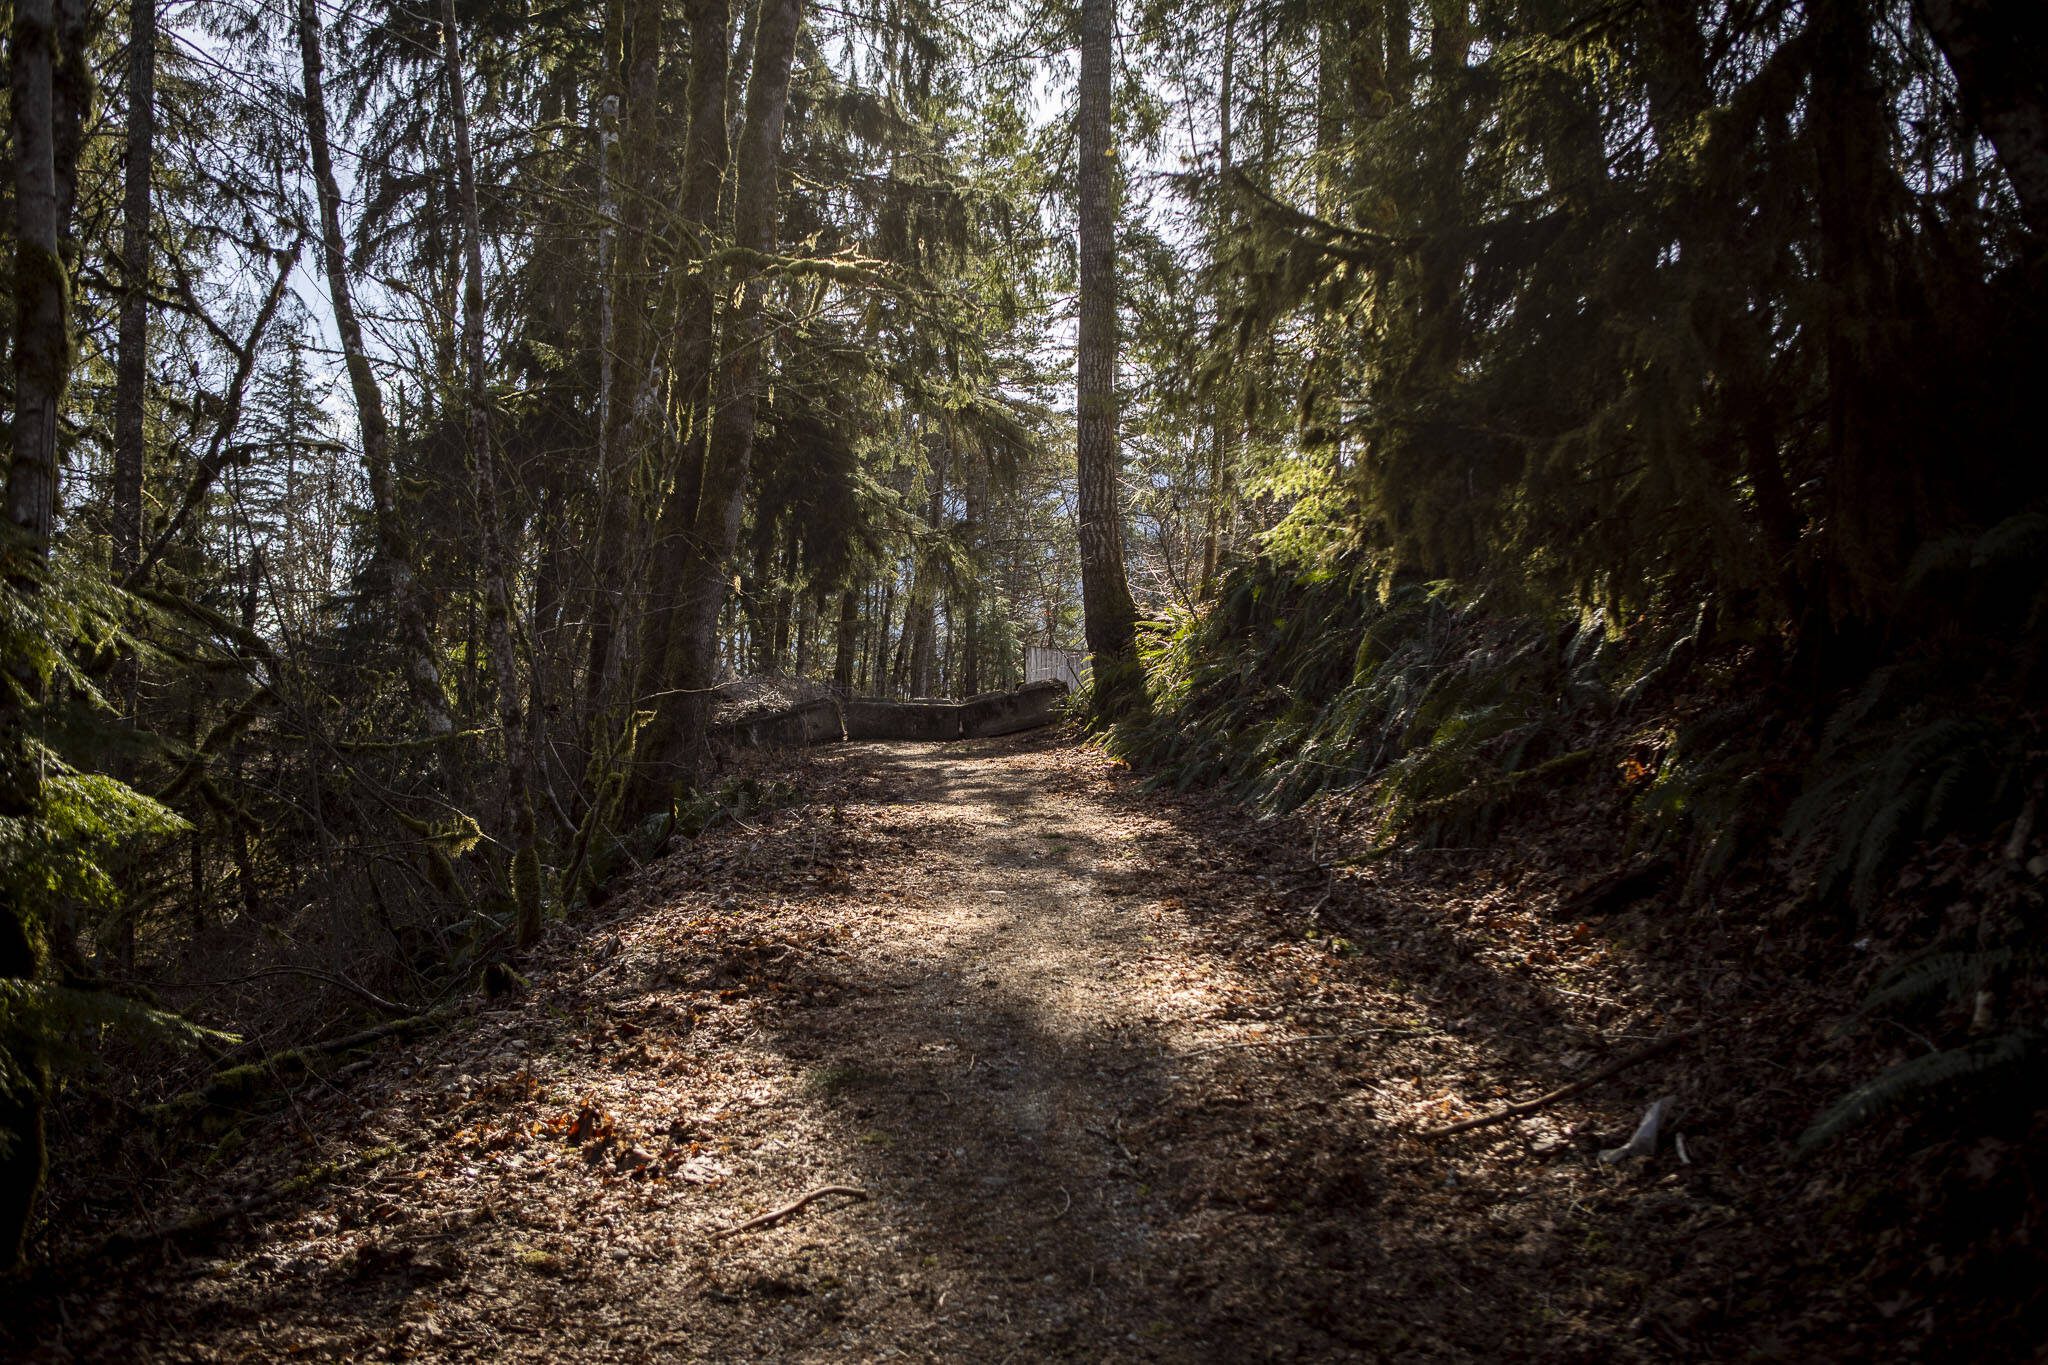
(1656, 1049)
(1284, 1042)
(774, 1216)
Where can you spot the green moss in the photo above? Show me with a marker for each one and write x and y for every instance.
(234, 1088)
(497, 979)
(37, 270)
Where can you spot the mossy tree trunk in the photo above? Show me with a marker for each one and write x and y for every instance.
(49, 89)
(707, 151)
(631, 116)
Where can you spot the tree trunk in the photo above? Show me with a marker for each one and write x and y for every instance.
(42, 369)
(875, 678)
(1220, 407)
(847, 642)
(923, 651)
(42, 345)
(806, 626)
(974, 494)
(2002, 75)
(924, 594)
(130, 368)
(523, 837)
(908, 646)
(238, 754)
(785, 606)
(423, 664)
(1876, 495)
(706, 153)
(757, 603)
(1111, 617)
(626, 337)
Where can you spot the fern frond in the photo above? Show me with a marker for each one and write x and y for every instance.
(1975, 1067)
(1952, 973)
(40, 1018)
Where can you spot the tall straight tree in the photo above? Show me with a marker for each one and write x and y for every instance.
(707, 154)
(631, 162)
(1222, 408)
(1111, 617)
(45, 59)
(130, 366)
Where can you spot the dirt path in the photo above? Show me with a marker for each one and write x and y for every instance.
(1036, 1018)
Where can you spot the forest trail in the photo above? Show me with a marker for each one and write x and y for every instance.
(1034, 1015)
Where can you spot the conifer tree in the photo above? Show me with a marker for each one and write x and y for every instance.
(1106, 592)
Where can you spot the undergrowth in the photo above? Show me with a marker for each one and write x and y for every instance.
(1294, 685)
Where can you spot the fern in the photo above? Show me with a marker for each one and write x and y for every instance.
(45, 1022)
(61, 854)
(1970, 1071)
(1300, 681)
(1884, 788)
(1953, 973)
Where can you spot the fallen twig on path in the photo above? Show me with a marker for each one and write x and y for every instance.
(774, 1216)
(1283, 1042)
(1656, 1049)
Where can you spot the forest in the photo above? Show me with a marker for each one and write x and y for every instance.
(1540, 488)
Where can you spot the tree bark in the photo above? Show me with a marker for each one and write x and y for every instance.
(1876, 496)
(1220, 405)
(847, 642)
(130, 369)
(877, 664)
(1111, 616)
(2000, 61)
(926, 593)
(42, 289)
(45, 57)
(627, 337)
(974, 490)
(675, 550)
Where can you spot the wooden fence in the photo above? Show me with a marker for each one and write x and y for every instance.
(1045, 664)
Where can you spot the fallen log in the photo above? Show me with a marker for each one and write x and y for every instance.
(241, 1082)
